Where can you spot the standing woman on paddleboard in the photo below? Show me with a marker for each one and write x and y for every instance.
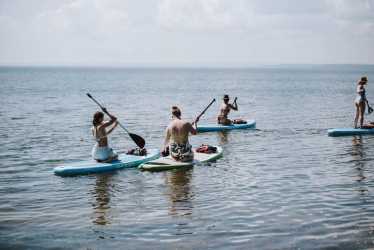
(101, 152)
(360, 101)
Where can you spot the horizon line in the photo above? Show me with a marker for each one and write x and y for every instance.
(174, 65)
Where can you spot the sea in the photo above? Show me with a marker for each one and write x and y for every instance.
(284, 185)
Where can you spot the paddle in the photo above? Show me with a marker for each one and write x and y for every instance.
(234, 103)
(166, 152)
(370, 109)
(136, 138)
(201, 114)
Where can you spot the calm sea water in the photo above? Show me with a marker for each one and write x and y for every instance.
(286, 185)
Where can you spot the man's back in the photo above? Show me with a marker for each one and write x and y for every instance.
(179, 131)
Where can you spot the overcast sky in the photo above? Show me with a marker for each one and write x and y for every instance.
(186, 32)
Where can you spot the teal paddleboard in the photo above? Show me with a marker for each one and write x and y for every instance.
(349, 131)
(217, 127)
(167, 163)
(92, 166)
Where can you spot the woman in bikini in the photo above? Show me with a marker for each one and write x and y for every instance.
(101, 152)
(360, 101)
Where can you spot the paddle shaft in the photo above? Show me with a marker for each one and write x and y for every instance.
(370, 109)
(101, 106)
(210, 104)
(139, 141)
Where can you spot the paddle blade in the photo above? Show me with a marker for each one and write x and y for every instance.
(138, 140)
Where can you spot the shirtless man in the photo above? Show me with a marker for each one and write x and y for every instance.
(101, 152)
(176, 138)
(225, 110)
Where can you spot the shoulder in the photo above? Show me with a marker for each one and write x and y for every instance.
(171, 125)
(101, 127)
(183, 122)
(186, 123)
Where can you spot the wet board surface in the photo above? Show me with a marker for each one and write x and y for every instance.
(251, 124)
(167, 163)
(92, 166)
(349, 131)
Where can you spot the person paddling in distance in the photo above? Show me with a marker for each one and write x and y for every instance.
(176, 138)
(101, 152)
(225, 109)
(360, 101)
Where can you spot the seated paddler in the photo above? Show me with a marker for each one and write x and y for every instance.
(176, 139)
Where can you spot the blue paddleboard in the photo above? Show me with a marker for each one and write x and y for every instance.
(349, 131)
(92, 166)
(218, 127)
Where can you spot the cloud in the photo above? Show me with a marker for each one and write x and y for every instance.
(354, 16)
(264, 15)
(202, 15)
(102, 31)
(91, 18)
(361, 10)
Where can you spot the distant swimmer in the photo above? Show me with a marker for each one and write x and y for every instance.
(176, 139)
(360, 101)
(101, 152)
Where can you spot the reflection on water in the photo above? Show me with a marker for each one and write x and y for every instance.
(223, 137)
(179, 192)
(102, 193)
(314, 191)
(358, 155)
(357, 148)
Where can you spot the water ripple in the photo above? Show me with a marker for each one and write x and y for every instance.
(285, 185)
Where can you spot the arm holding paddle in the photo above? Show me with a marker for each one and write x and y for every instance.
(202, 113)
(113, 120)
(167, 139)
(234, 105)
(193, 129)
(138, 140)
(112, 128)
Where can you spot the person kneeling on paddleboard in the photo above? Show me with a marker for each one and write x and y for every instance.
(101, 152)
(176, 139)
(225, 110)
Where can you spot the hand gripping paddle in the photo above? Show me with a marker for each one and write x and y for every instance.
(139, 141)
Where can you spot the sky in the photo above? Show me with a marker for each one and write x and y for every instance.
(186, 32)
